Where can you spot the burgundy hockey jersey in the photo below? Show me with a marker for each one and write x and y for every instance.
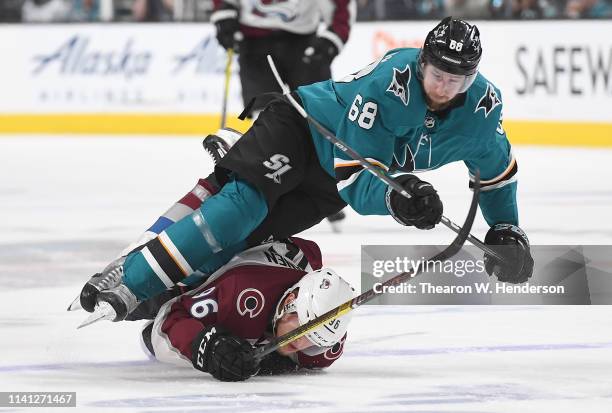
(242, 297)
(260, 17)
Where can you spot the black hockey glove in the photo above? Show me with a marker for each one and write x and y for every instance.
(226, 357)
(228, 27)
(423, 210)
(512, 243)
(320, 51)
(274, 363)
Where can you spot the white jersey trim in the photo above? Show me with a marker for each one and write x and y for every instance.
(148, 256)
(332, 37)
(163, 348)
(223, 15)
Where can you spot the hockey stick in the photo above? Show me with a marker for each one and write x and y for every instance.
(453, 248)
(228, 75)
(327, 134)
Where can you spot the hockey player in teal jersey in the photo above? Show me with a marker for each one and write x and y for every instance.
(412, 110)
(382, 112)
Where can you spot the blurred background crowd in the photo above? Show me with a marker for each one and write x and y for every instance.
(45, 11)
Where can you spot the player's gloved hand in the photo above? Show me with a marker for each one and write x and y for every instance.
(423, 210)
(320, 51)
(228, 28)
(511, 242)
(275, 363)
(226, 357)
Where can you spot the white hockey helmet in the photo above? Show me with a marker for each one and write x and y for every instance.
(317, 293)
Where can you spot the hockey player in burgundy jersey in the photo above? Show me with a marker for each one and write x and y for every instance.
(263, 292)
(287, 30)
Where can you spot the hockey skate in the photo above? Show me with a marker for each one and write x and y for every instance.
(110, 277)
(219, 143)
(113, 304)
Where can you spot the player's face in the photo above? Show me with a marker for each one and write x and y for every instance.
(285, 324)
(440, 87)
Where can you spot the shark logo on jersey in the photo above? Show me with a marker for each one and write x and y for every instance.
(488, 101)
(399, 84)
(278, 163)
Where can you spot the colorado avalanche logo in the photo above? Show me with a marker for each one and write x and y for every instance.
(488, 101)
(250, 301)
(399, 84)
(285, 10)
(335, 351)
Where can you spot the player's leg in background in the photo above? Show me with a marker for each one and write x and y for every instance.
(256, 78)
(296, 71)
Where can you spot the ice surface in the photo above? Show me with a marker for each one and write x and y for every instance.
(69, 205)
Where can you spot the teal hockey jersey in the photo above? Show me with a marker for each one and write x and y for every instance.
(382, 114)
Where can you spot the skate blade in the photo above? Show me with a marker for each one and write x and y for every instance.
(76, 304)
(102, 311)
